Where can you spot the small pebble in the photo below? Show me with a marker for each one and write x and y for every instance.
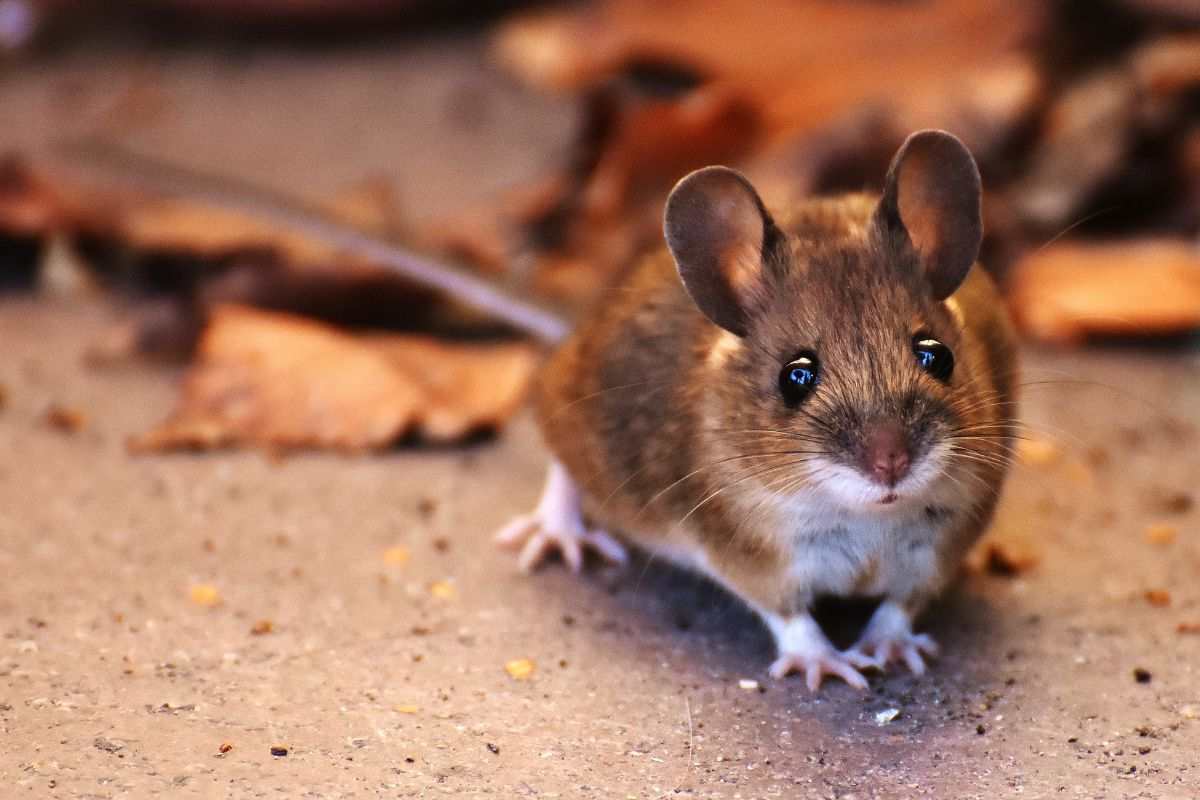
(224, 748)
(748, 684)
(493, 748)
(1142, 675)
(278, 751)
(887, 716)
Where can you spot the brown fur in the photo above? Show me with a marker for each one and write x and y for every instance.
(683, 450)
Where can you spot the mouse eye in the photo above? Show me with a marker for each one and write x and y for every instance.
(798, 378)
(933, 357)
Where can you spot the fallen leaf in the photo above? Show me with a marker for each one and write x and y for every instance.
(1004, 554)
(1159, 598)
(1068, 292)
(520, 669)
(66, 419)
(278, 381)
(203, 594)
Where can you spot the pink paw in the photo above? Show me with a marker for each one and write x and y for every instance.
(537, 541)
(816, 666)
(877, 653)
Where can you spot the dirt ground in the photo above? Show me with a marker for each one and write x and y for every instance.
(388, 679)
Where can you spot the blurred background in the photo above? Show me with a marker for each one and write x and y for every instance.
(570, 123)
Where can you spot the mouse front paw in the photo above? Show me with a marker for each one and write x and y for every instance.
(557, 525)
(889, 638)
(804, 648)
(815, 666)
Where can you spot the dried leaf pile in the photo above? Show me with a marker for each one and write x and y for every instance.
(1085, 120)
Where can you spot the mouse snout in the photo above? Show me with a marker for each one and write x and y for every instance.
(886, 455)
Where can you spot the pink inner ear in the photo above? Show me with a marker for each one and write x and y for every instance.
(922, 203)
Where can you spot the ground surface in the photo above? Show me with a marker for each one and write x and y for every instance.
(115, 683)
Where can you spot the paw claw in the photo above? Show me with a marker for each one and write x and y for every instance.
(557, 524)
(877, 653)
(816, 667)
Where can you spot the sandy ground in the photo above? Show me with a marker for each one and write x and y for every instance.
(114, 683)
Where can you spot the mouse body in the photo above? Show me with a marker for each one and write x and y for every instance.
(817, 402)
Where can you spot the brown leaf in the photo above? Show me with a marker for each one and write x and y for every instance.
(1066, 293)
(865, 52)
(278, 381)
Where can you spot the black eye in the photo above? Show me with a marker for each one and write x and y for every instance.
(933, 357)
(799, 378)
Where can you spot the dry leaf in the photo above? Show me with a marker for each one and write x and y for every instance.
(520, 669)
(1003, 553)
(1066, 293)
(1159, 598)
(278, 381)
(66, 419)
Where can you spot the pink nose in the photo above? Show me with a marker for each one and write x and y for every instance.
(885, 454)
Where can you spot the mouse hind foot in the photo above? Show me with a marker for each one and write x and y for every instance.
(889, 638)
(557, 524)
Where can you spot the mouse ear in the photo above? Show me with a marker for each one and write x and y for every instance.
(718, 232)
(932, 196)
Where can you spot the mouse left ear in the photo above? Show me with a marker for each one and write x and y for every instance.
(721, 236)
(932, 198)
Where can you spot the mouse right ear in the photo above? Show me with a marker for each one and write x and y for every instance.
(931, 198)
(719, 233)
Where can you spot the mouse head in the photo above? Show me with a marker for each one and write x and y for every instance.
(841, 357)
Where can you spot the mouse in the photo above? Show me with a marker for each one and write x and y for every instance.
(812, 402)
(799, 403)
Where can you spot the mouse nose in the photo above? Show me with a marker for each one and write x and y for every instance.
(885, 454)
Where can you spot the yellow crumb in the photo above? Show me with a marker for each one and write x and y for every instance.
(1161, 533)
(443, 590)
(396, 556)
(519, 669)
(1038, 452)
(202, 594)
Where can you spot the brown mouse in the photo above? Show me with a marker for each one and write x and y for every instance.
(812, 403)
(819, 402)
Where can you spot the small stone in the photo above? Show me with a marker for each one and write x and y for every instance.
(749, 684)
(1142, 675)
(262, 627)
(980, 730)
(224, 748)
(886, 716)
(493, 748)
(279, 751)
